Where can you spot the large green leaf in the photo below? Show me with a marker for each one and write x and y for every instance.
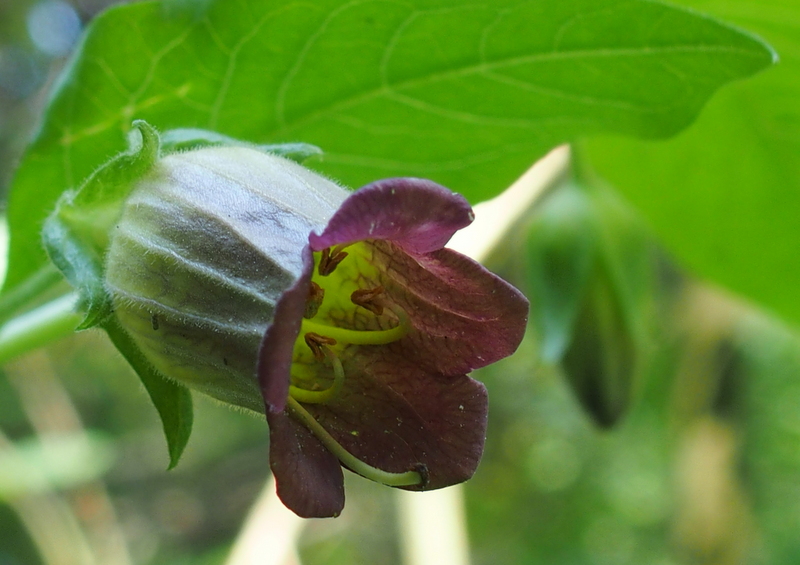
(467, 94)
(725, 195)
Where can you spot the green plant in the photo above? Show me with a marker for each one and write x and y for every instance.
(467, 95)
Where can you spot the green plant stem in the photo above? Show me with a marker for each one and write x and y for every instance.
(39, 327)
(31, 289)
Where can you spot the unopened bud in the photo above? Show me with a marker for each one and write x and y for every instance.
(204, 247)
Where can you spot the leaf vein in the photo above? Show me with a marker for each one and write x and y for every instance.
(481, 67)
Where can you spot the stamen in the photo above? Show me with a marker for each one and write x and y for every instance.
(354, 337)
(407, 479)
(322, 396)
(315, 296)
(330, 260)
(316, 341)
(366, 299)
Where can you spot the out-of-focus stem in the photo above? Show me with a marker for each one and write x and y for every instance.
(28, 291)
(39, 327)
(433, 527)
(53, 527)
(269, 534)
(495, 217)
(50, 410)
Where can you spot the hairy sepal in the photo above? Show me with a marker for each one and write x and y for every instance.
(76, 233)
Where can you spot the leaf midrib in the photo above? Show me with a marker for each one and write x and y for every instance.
(387, 89)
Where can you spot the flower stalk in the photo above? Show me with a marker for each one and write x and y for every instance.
(39, 327)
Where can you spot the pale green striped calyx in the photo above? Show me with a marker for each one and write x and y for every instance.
(205, 245)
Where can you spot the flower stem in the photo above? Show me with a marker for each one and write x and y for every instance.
(270, 532)
(28, 291)
(39, 327)
(409, 478)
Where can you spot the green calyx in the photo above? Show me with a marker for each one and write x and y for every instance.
(81, 233)
(76, 235)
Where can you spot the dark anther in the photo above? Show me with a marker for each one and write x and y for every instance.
(315, 296)
(329, 261)
(366, 299)
(315, 342)
(154, 321)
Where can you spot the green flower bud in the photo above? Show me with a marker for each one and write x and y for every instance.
(205, 245)
(588, 273)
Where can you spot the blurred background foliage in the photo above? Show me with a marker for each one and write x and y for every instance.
(702, 466)
(647, 418)
(35, 39)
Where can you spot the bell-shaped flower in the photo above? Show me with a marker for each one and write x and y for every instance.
(365, 363)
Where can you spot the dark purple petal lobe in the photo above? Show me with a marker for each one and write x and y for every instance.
(463, 316)
(416, 214)
(275, 353)
(308, 477)
(395, 416)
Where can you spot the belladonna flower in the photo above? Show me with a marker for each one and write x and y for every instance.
(365, 364)
(340, 315)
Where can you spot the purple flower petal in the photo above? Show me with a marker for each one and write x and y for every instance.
(407, 405)
(416, 214)
(308, 477)
(463, 316)
(394, 415)
(275, 353)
